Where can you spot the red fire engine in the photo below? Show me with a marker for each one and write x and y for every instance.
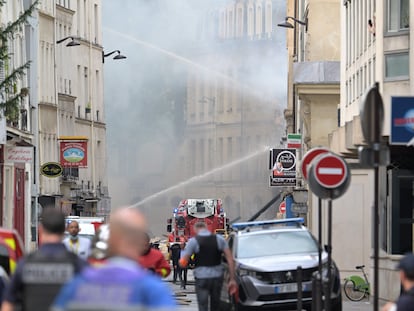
(190, 211)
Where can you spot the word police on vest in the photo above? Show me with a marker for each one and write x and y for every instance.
(47, 273)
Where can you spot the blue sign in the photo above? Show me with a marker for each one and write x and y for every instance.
(402, 120)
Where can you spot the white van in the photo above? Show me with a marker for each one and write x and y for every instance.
(87, 225)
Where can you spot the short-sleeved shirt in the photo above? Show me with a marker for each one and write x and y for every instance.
(193, 247)
(14, 291)
(119, 284)
(406, 301)
(81, 247)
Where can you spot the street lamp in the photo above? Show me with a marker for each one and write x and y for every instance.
(74, 41)
(286, 24)
(118, 56)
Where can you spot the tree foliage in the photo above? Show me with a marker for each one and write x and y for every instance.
(10, 97)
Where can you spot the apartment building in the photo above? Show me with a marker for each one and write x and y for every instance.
(373, 45)
(16, 133)
(61, 102)
(71, 110)
(233, 111)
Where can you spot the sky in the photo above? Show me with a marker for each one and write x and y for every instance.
(159, 37)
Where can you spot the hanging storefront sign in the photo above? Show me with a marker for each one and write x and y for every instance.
(402, 118)
(74, 153)
(18, 154)
(51, 169)
(283, 167)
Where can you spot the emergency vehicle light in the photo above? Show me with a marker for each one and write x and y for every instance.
(264, 223)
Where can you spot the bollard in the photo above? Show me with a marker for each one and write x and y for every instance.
(327, 293)
(299, 278)
(316, 292)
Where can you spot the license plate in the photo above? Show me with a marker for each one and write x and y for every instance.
(289, 288)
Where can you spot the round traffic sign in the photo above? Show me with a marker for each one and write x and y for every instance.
(282, 207)
(328, 176)
(330, 170)
(308, 157)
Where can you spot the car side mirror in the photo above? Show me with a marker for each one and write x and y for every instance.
(169, 228)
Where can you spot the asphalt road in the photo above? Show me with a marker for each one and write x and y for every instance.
(187, 301)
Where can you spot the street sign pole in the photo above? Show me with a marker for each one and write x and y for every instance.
(372, 118)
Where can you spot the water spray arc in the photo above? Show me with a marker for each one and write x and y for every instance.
(202, 176)
(184, 60)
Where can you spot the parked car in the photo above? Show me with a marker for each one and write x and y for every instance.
(11, 249)
(267, 254)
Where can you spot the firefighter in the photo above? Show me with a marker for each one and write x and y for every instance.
(40, 275)
(153, 260)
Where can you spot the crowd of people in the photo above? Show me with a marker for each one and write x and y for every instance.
(128, 273)
(118, 270)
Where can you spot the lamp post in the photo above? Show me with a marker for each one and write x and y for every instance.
(286, 24)
(74, 41)
(118, 56)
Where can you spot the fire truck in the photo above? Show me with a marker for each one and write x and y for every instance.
(190, 211)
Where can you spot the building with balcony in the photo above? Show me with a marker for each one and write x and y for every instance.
(374, 40)
(233, 110)
(71, 110)
(17, 130)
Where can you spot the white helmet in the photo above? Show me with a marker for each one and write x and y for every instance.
(100, 243)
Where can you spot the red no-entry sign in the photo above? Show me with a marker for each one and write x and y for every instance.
(330, 171)
(282, 207)
(308, 157)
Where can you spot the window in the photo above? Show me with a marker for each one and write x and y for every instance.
(397, 65)
(398, 15)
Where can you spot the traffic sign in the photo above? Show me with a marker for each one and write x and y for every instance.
(372, 115)
(308, 157)
(330, 170)
(328, 176)
(282, 207)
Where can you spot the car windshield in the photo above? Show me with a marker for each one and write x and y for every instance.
(276, 243)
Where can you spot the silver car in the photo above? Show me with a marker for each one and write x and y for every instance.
(267, 254)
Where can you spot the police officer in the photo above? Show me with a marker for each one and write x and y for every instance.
(209, 272)
(120, 283)
(40, 275)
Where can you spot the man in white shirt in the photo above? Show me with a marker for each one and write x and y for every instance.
(79, 245)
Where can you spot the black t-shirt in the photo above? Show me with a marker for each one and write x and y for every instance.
(406, 301)
(175, 253)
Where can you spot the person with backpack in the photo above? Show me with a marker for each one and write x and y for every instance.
(40, 275)
(208, 272)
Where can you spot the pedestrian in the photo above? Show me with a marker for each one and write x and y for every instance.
(79, 245)
(406, 300)
(182, 270)
(154, 260)
(175, 250)
(40, 275)
(119, 283)
(208, 273)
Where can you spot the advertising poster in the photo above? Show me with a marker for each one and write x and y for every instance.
(402, 118)
(283, 167)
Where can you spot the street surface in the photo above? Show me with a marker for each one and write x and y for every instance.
(187, 301)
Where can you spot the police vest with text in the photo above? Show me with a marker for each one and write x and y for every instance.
(43, 276)
(209, 254)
